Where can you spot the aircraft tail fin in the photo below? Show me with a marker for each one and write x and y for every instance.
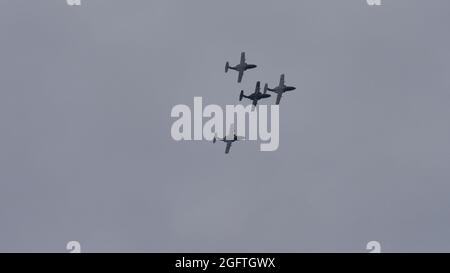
(241, 95)
(227, 66)
(266, 87)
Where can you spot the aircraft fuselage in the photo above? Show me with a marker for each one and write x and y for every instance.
(244, 67)
(258, 96)
(284, 88)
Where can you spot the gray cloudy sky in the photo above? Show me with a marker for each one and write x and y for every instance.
(85, 146)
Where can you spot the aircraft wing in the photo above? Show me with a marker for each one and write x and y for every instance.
(227, 149)
(279, 98)
(281, 80)
(258, 87)
(241, 74)
(242, 57)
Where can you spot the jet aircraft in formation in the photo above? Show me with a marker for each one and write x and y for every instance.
(241, 67)
(280, 89)
(254, 97)
(232, 137)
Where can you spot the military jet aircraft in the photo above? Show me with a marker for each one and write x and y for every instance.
(280, 89)
(232, 137)
(256, 96)
(241, 67)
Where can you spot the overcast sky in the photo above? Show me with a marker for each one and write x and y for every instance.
(85, 147)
